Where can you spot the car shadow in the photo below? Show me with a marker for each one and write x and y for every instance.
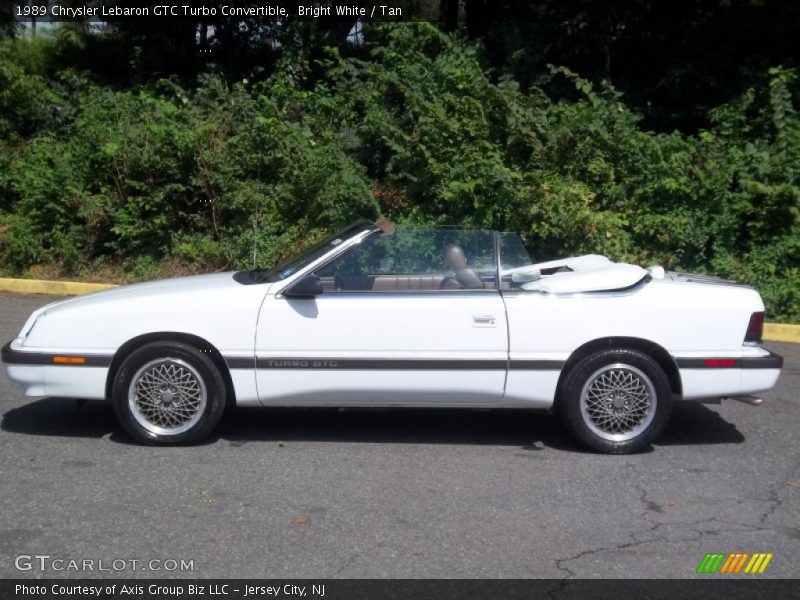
(529, 430)
(526, 429)
(62, 417)
(697, 424)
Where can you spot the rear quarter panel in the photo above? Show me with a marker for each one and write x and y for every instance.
(685, 318)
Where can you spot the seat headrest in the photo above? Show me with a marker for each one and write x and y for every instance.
(454, 254)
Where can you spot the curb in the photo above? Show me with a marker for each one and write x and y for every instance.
(780, 332)
(774, 332)
(52, 288)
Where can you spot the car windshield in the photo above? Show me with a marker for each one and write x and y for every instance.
(300, 261)
(385, 261)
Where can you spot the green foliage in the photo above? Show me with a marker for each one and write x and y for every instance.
(165, 171)
(167, 174)
(27, 99)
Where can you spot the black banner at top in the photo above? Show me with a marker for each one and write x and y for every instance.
(99, 11)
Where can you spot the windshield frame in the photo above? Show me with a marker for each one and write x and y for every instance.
(299, 262)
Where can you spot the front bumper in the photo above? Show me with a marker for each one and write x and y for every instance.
(68, 375)
(14, 356)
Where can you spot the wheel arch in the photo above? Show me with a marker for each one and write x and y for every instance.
(655, 351)
(172, 336)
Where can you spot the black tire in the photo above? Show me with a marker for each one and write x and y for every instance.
(197, 397)
(616, 421)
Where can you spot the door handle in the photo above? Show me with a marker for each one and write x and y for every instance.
(484, 321)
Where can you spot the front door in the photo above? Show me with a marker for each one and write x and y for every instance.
(403, 319)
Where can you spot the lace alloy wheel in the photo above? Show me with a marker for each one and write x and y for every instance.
(618, 402)
(167, 396)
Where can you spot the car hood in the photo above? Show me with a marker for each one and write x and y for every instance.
(214, 307)
(195, 286)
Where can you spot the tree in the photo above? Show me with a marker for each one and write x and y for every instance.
(673, 60)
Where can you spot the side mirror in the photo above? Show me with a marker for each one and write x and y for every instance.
(308, 287)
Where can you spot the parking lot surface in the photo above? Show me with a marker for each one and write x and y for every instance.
(294, 493)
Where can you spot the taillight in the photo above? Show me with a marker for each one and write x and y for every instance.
(755, 328)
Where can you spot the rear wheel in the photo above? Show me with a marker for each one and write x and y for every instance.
(168, 393)
(616, 401)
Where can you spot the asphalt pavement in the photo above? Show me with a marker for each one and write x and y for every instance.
(307, 493)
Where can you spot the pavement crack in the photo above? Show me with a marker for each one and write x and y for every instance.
(653, 528)
(657, 532)
(774, 495)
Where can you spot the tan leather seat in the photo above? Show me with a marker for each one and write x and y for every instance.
(406, 283)
(465, 277)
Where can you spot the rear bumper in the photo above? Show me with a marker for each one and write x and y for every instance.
(720, 376)
(768, 361)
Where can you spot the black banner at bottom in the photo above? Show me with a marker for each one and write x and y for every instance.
(395, 589)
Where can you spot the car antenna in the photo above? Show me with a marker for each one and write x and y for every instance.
(255, 224)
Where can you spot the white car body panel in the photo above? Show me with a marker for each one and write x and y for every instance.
(435, 348)
(212, 307)
(373, 328)
(639, 314)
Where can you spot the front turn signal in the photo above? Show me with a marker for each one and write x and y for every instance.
(69, 360)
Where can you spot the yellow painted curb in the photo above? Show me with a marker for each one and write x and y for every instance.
(779, 332)
(53, 288)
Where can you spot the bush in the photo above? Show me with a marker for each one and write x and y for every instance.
(169, 174)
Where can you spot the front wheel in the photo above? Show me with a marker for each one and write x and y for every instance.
(616, 401)
(168, 393)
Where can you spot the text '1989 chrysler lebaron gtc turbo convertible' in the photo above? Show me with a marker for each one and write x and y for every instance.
(378, 317)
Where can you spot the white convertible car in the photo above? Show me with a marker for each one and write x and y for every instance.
(378, 317)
